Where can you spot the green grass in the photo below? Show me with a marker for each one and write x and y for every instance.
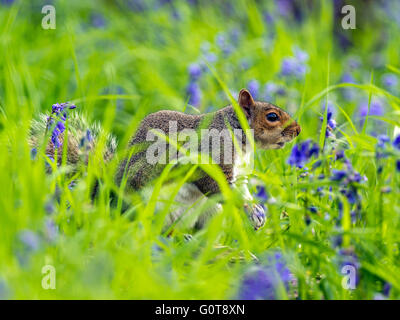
(137, 64)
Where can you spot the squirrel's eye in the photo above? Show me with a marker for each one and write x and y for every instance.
(272, 117)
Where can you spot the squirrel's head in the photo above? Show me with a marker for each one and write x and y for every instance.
(272, 126)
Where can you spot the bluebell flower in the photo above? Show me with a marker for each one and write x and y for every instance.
(194, 71)
(271, 90)
(317, 164)
(49, 207)
(383, 139)
(97, 20)
(314, 150)
(337, 241)
(300, 55)
(339, 155)
(223, 44)
(302, 152)
(381, 148)
(261, 193)
(194, 92)
(338, 175)
(7, 2)
(354, 62)
(89, 136)
(33, 153)
(47, 164)
(396, 142)
(72, 185)
(29, 239)
(244, 64)
(331, 122)
(268, 18)
(313, 209)
(289, 9)
(347, 92)
(136, 5)
(253, 86)
(376, 109)
(386, 189)
(389, 80)
(51, 230)
(261, 282)
(292, 67)
(235, 36)
(210, 57)
(58, 110)
(347, 78)
(386, 289)
(398, 165)
(284, 7)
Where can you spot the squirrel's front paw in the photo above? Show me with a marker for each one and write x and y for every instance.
(256, 215)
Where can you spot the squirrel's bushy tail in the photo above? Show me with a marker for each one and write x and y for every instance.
(82, 136)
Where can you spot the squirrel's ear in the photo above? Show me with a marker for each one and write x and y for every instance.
(246, 101)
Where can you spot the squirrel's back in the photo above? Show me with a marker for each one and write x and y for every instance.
(161, 120)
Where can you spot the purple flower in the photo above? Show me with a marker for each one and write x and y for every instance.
(376, 109)
(7, 2)
(354, 62)
(210, 57)
(54, 138)
(262, 281)
(261, 193)
(351, 195)
(313, 209)
(223, 44)
(30, 240)
(60, 126)
(389, 80)
(253, 86)
(194, 71)
(348, 93)
(270, 90)
(51, 230)
(234, 36)
(300, 55)
(49, 207)
(398, 165)
(338, 175)
(292, 67)
(339, 155)
(331, 123)
(98, 20)
(194, 92)
(33, 153)
(347, 78)
(244, 64)
(301, 153)
(396, 142)
(383, 139)
(89, 136)
(386, 289)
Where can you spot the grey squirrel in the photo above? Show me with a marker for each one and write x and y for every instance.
(272, 127)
